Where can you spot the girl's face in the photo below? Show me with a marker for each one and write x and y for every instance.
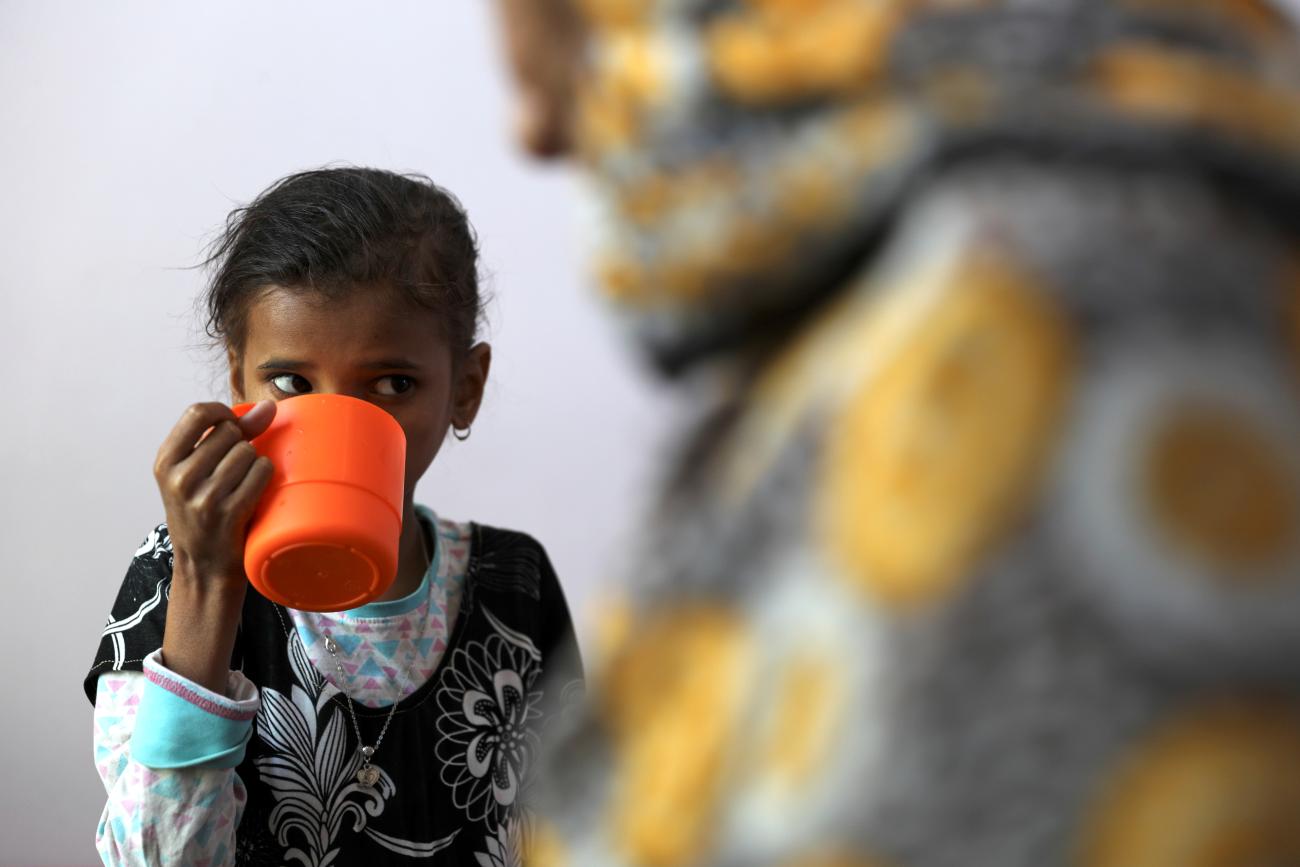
(375, 346)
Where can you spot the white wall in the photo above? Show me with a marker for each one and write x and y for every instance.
(127, 131)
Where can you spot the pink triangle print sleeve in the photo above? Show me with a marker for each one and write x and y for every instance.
(157, 815)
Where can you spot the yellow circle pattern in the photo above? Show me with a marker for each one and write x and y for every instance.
(672, 702)
(1220, 488)
(833, 859)
(938, 451)
(1219, 788)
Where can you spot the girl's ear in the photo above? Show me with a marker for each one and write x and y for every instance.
(471, 379)
(236, 365)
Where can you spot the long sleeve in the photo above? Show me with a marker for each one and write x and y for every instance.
(166, 750)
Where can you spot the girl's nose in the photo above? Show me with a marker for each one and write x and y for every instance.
(358, 393)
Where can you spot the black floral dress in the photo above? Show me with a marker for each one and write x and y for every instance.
(455, 763)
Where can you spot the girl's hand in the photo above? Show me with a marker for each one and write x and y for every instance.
(210, 479)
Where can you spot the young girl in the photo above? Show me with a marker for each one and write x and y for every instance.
(229, 729)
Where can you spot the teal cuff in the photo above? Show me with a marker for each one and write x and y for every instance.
(180, 724)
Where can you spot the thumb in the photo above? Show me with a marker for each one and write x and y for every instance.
(258, 419)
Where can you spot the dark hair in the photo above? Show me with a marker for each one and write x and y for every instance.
(335, 230)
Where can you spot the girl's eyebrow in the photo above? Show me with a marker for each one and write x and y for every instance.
(392, 364)
(376, 364)
(282, 364)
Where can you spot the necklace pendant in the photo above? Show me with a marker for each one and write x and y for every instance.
(368, 775)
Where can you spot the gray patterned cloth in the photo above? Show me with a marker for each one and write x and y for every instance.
(988, 552)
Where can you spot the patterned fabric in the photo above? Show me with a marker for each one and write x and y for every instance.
(378, 649)
(454, 764)
(750, 154)
(987, 551)
(157, 816)
(181, 724)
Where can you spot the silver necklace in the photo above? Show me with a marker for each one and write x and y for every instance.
(368, 774)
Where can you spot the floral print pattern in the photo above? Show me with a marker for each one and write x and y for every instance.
(485, 740)
(312, 773)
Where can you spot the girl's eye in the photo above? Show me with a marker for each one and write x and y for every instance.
(394, 385)
(291, 383)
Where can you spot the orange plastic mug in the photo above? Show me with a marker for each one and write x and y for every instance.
(325, 533)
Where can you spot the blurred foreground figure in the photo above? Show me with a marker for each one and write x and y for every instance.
(986, 552)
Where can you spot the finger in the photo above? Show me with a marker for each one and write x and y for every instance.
(243, 499)
(230, 471)
(203, 460)
(258, 419)
(179, 444)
